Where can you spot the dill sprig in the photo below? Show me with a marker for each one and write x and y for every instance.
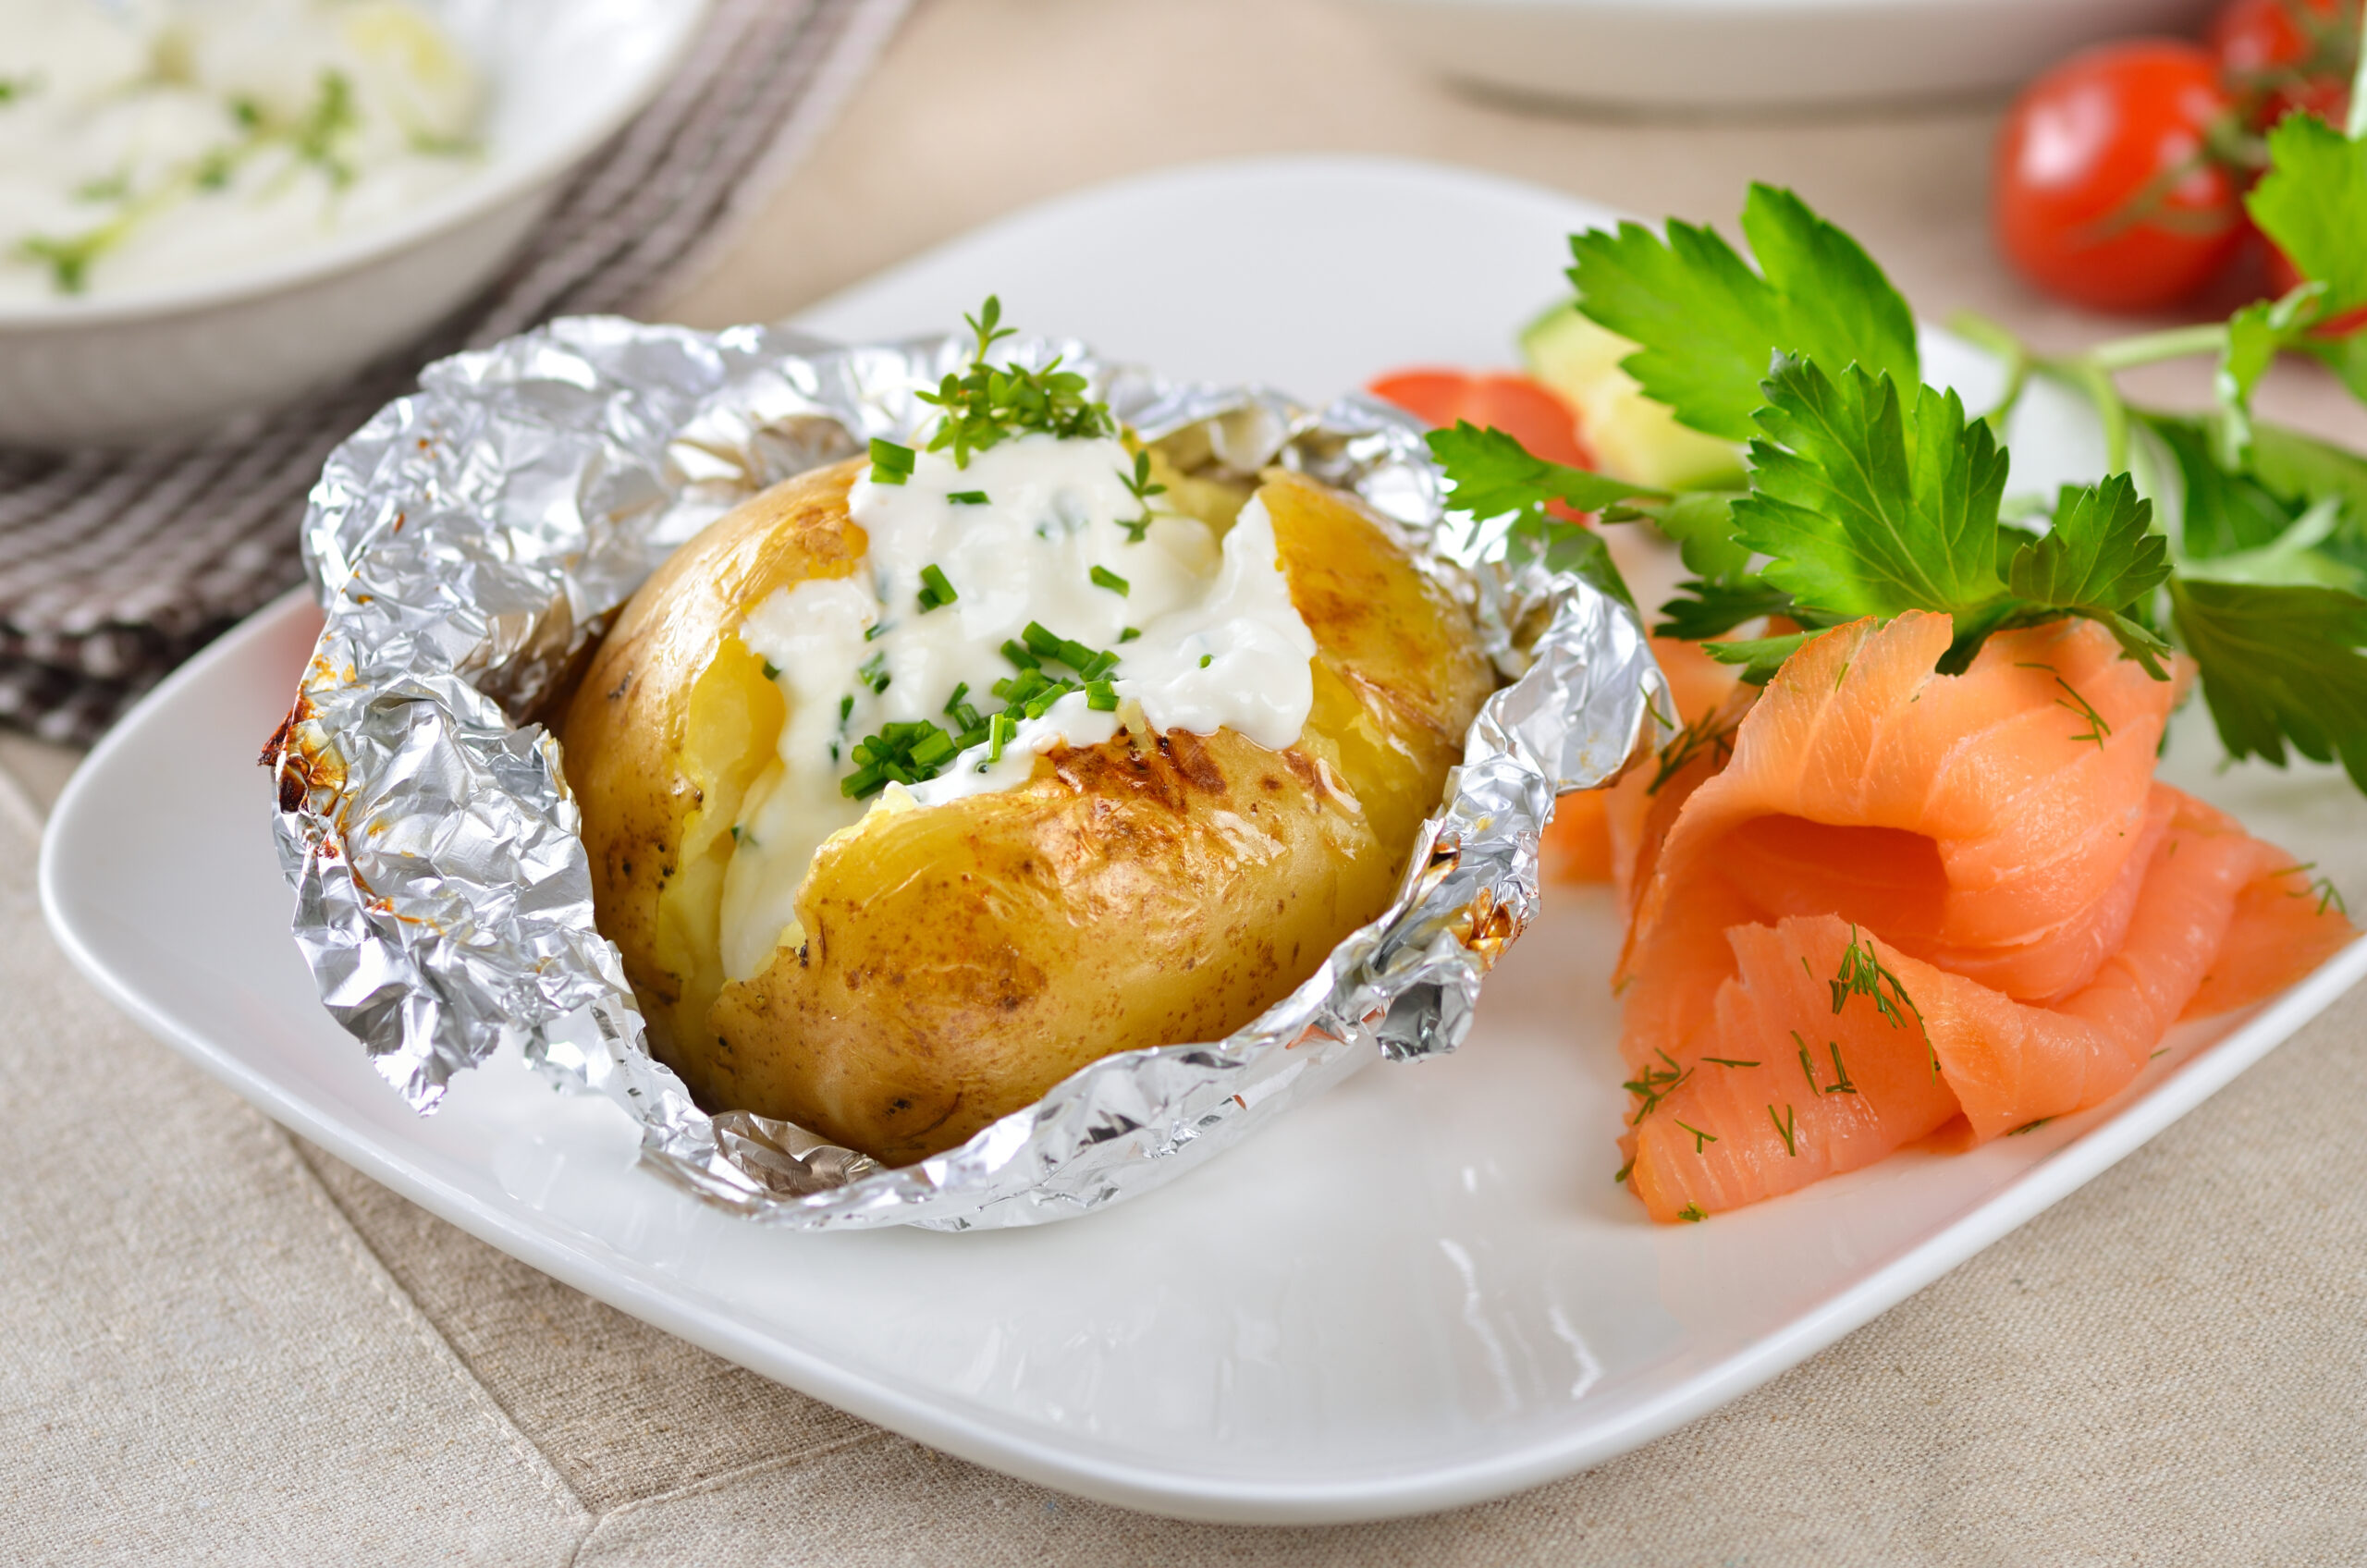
(1729, 1061)
(1786, 1127)
(1655, 1084)
(1714, 730)
(1701, 1139)
(988, 404)
(2097, 731)
(1863, 974)
(1839, 1084)
(2029, 1127)
(1692, 1214)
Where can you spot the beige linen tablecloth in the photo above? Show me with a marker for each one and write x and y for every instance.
(226, 1347)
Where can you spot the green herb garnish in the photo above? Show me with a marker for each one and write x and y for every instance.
(1127, 634)
(1691, 1214)
(1728, 1061)
(891, 464)
(1104, 578)
(936, 592)
(968, 497)
(989, 404)
(1138, 484)
(772, 672)
(1784, 1127)
(1654, 1084)
(1701, 1139)
(1863, 974)
(874, 672)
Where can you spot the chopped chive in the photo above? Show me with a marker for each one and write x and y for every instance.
(1040, 640)
(891, 464)
(1785, 1128)
(953, 702)
(1206, 659)
(1128, 634)
(874, 672)
(1001, 730)
(968, 497)
(1019, 655)
(1104, 578)
(736, 831)
(772, 670)
(935, 592)
(1100, 697)
(846, 707)
(1097, 666)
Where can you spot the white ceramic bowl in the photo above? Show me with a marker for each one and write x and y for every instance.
(145, 364)
(1758, 53)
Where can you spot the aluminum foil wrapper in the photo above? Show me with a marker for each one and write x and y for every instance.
(469, 545)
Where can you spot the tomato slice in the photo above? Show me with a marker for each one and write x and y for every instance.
(1527, 412)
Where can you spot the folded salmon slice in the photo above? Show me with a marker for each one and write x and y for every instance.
(1759, 879)
(1988, 822)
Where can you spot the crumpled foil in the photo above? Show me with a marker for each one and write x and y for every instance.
(469, 545)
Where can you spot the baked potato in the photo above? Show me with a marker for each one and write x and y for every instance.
(948, 963)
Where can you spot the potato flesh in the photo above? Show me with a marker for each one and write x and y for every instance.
(959, 961)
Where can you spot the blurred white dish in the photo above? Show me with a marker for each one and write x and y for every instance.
(1758, 53)
(149, 361)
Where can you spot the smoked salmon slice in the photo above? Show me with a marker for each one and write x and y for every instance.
(1893, 902)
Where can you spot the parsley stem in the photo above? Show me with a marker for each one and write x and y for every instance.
(2150, 347)
(2355, 124)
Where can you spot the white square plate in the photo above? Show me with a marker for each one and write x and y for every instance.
(1419, 1291)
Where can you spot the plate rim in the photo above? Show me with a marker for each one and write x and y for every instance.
(1063, 1461)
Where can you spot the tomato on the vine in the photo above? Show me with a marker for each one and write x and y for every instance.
(2288, 55)
(2107, 191)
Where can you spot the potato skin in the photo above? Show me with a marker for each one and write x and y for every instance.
(961, 960)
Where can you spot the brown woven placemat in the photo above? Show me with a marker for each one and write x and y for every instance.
(114, 567)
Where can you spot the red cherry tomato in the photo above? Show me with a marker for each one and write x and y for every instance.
(1513, 404)
(2104, 191)
(2289, 52)
(2284, 277)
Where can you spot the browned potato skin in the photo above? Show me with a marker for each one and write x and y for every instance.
(959, 961)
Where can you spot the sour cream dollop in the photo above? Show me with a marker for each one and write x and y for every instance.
(1036, 531)
(146, 142)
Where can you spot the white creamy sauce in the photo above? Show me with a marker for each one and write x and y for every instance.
(147, 142)
(1219, 646)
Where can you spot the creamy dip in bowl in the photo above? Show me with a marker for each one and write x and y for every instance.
(209, 206)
